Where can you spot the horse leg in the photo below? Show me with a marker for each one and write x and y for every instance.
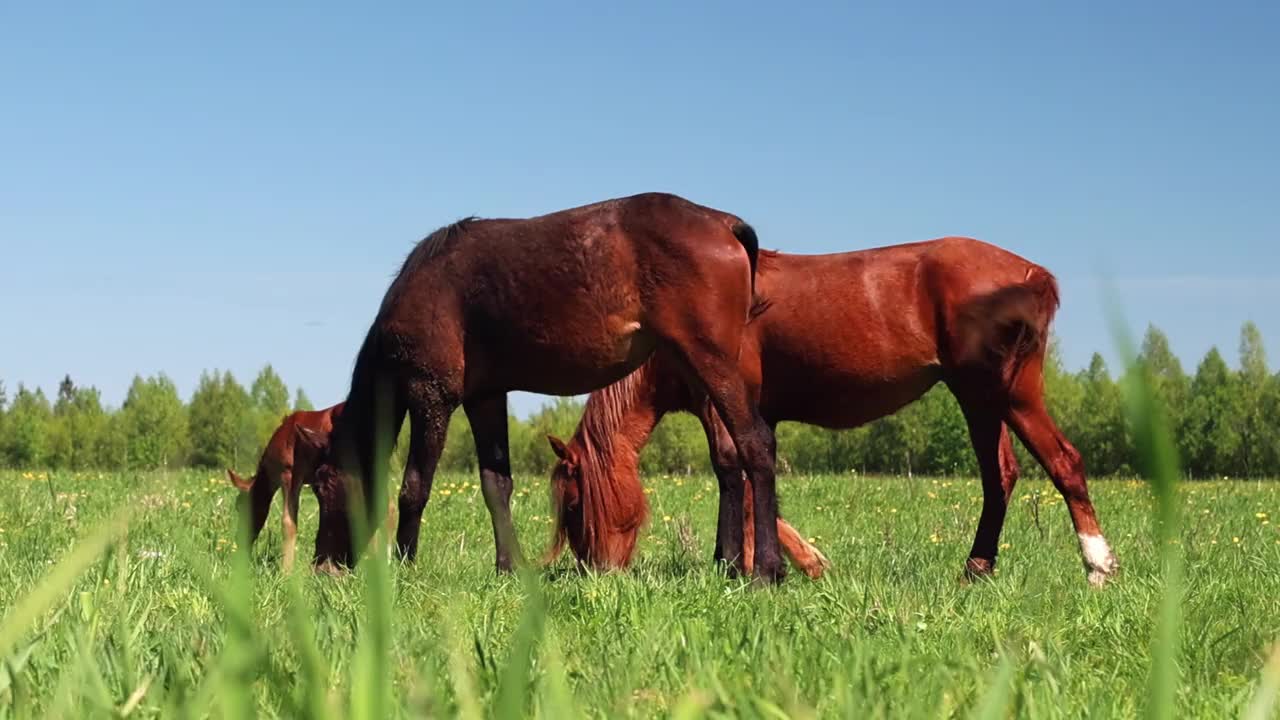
(756, 447)
(488, 418)
(724, 459)
(1031, 421)
(987, 433)
(289, 519)
(427, 430)
(729, 477)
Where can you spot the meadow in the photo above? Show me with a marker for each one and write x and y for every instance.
(171, 619)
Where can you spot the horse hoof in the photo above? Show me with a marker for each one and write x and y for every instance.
(330, 568)
(979, 569)
(1099, 577)
(1100, 563)
(769, 573)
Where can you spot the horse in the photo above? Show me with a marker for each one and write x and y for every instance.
(559, 304)
(845, 339)
(275, 471)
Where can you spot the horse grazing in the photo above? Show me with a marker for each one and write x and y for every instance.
(275, 471)
(845, 339)
(559, 304)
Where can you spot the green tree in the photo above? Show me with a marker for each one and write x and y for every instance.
(27, 429)
(948, 448)
(301, 401)
(678, 445)
(221, 419)
(154, 424)
(1168, 382)
(1103, 440)
(79, 428)
(270, 394)
(1211, 438)
(1257, 427)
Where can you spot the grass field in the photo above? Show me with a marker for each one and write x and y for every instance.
(162, 624)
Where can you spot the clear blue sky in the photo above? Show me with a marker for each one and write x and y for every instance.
(193, 185)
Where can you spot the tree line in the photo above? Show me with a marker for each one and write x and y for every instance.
(1227, 423)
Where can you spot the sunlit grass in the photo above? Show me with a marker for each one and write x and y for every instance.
(159, 623)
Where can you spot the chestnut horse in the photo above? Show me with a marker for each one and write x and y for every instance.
(275, 471)
(560, 304)
(845, 339)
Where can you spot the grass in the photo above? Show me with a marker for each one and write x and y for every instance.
(174, 619)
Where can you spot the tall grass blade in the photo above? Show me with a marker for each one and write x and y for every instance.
(995, 701)
(1158, 459)
(56, 585)
(513, 684)
(371, 685)
(1264, 701)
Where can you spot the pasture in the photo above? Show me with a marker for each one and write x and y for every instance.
(165, 622)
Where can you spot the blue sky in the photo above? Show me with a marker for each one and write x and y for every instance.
(187, 186)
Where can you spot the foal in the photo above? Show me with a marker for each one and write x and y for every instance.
(560, 304)
(275, 471)
(845, 339)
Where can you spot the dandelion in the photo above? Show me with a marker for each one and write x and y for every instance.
(666, 518)
(1260, 516)
(186, 505)
(648, 491)
(813, 540)
(1235, 540)
(935, 539)
(1004, 546)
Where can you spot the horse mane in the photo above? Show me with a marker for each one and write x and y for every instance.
(611, 499)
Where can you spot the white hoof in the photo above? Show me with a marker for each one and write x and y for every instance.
(1099, 562)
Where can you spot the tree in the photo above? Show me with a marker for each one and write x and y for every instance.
(1103, 440)
(220, 421)
(270, 394)
(154, 424)
(79, 428)
(301, 401)
(1211, 438)
(1169, 383)
(1257, 428)
(27, 429)
(678, 445)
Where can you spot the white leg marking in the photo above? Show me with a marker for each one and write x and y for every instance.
(1098, 558)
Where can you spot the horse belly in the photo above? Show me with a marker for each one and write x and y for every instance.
(587, 361)
(842, 398)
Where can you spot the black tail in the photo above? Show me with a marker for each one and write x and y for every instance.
(747, 236)
(366, 431)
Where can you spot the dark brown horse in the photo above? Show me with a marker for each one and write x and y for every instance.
(275, 471)
(560, 304)
(846, 339)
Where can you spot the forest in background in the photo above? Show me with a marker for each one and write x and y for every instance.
(1227, 423)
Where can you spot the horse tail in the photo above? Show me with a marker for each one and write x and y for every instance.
(366, 429)
(1000, 331)
(746, 235)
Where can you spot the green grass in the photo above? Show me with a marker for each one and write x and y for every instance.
(163, 623)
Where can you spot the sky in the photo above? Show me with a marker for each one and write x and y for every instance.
(192, 186)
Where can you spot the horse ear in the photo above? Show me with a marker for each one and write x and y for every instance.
(241, 484)
(559, 448)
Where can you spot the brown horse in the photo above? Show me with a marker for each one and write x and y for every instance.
(560, 304)
(846, 339)
(275, 471)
